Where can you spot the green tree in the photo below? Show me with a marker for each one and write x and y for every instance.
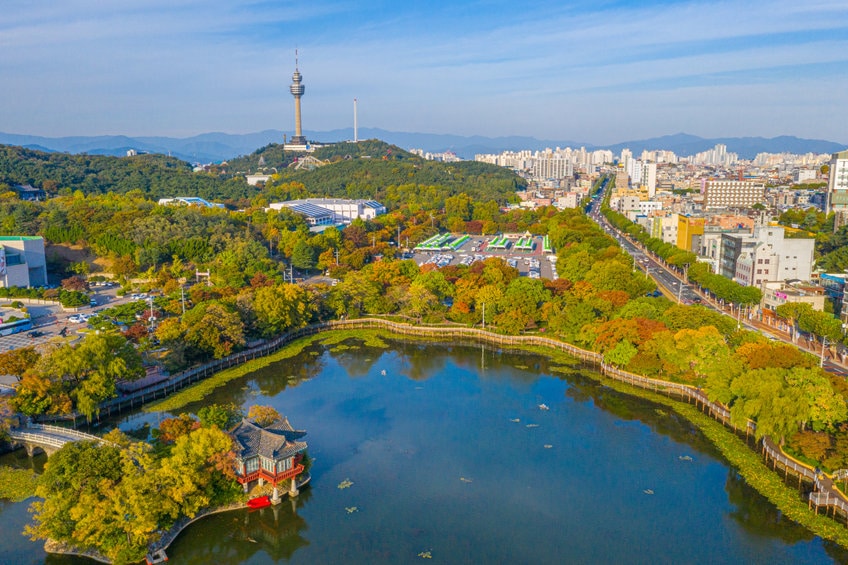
(765, 397)
(213, 328)
(303, 256)
(223, 416)
(280, 308)
(90, 370)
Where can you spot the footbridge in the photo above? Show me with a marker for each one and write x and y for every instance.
(48, 438)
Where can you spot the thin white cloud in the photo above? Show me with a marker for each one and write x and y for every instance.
(196, 65)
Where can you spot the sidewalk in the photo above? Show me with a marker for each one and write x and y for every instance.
(813, 348)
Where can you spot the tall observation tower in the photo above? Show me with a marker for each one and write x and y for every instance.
(297, 89)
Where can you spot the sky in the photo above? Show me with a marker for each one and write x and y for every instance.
(591, 71)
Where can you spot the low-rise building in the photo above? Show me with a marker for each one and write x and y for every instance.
(29, 192)
(777, 293)
(766, 255)
(22, 261)
(342, 211)
(271, 453)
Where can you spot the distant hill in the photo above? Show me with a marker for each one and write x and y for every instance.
(216, 146)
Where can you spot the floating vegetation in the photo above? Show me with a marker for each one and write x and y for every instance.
(544, 406)
(661, 412)
(685, 458)
(342, 347)
(351, 509)
(199, 390)
(547, 446)
(532, 426)
(17, 484)
(347, 483)
(522, 367)
(464, 480)
(648, 491)
(515, 420)
(425, 555)
(254, 393)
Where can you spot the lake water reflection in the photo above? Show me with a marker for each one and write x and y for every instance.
(451, 456)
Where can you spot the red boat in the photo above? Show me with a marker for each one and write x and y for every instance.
(260, 502)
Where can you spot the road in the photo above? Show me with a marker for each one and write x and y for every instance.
(673, 286)
(50, 319)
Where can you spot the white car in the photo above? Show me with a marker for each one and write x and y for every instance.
(76, 318)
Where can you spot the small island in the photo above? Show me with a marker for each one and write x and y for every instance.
(124, 501)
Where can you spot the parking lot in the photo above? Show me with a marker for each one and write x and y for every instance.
(50, 319)
(523, 252)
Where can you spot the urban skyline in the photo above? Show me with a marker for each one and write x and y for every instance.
(586, 71)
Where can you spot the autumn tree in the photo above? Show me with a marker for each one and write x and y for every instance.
(171, 429)
(263, 415)
(17, 361)
(281, 308)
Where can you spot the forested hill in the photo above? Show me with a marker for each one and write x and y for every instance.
(374, 169)
(156, 176)
(369, 169)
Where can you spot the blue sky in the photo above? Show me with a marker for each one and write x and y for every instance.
(589, 71)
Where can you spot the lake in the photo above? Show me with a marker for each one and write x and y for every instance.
(466, 454)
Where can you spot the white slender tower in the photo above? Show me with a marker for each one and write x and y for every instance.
(355, 131)
(297, 89)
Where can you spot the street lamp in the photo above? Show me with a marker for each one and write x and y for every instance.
(824, 344)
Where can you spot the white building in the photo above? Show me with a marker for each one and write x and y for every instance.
(837, 187)
(253, 180)
(341, 211)
(648, 178)
(646, 207)
(22, 261)
(766, 256)
(803, 175)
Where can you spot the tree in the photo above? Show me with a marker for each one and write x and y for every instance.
(263, 415)
(171, 429)
(223, 416)
(621, 354)
(765, 397)
(280, 308)
(213, 328)
(90, 370)
(303, 256)
(17, 361)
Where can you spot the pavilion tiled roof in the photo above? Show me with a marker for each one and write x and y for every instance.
(275, 441)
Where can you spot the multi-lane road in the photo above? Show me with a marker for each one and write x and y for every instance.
(673, 286)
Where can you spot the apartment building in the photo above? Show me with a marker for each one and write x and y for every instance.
(733, 193)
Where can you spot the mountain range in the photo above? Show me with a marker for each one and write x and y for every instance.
(216, 147)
